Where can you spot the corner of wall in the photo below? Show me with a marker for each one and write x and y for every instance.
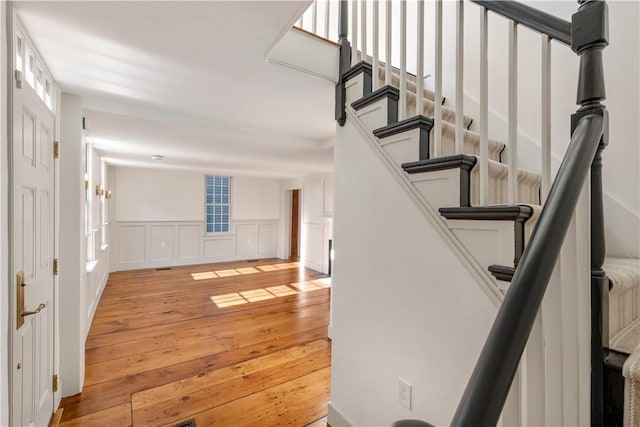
(335, 418)
(72, 246)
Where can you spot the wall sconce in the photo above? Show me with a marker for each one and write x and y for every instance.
(108, 194)
(99, 190)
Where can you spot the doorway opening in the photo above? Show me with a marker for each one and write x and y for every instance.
(294, 253)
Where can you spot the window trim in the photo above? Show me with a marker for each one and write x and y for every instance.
(214, 205)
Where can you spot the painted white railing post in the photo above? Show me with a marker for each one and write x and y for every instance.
(484, 108)
(387, 41)
(513, 114)
(420, 60)
(314, 18)
(545, 125)
(402, 110)
(327, 14)
(363, 28)
(374, 44)
(459, 76)
(437, 130)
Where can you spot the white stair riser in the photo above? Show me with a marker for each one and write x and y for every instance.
(528, 189)
(440, 188)
(448, 145)
(374, 115)
(354, 89)
(403, 147)
(490, 242)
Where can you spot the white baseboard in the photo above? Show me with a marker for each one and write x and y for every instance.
(336, 418)
(194, 261)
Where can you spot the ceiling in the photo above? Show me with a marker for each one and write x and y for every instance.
(190, 81)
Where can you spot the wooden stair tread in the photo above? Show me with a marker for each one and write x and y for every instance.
(519, 213)
(440, 163)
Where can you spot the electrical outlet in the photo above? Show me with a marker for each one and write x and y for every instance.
(404, 393)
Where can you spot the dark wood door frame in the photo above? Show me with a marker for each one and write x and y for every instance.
(295, 224)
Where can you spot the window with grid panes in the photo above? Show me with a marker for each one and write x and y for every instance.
(218, 203)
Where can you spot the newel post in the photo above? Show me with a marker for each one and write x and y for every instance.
(589, 37)
(345, 61)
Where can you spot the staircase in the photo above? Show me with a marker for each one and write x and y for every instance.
(450, 183)
(488, 208)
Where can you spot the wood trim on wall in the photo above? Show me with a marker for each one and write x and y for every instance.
(153, 244)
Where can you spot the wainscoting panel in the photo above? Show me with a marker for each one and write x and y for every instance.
(133, 244)
(189, 241)
(245, 238)
(315, 238)
(163, 244)
(218, 247)
(267, 238)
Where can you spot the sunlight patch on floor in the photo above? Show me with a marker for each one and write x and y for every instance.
(228, 300)
(203, 276)
(243, 270)
(262, 294)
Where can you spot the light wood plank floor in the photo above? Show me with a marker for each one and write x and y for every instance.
(228, 344)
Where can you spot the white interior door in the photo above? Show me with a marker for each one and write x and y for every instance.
(32, 240)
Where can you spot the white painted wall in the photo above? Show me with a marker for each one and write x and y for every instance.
(97, 272)
(253, 196)
(159, 195)
(5, 344)
(72, 245)
(403, 305)
(151, 231)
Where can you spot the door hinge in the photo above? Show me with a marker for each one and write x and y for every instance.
(54, 383)
(55, 266)
(56, 149)
(18, 76)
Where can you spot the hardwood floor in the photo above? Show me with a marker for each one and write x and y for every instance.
(229, 344)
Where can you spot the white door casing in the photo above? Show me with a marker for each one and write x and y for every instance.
(32, 252)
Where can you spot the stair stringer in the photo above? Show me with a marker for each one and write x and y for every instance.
(403, 305)
(478, 272)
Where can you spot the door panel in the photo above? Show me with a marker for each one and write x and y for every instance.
(32, 248)
(27, 233)
(28, 136)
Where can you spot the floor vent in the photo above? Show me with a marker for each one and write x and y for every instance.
(189, 423)
(163, 269)
(253, 260)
